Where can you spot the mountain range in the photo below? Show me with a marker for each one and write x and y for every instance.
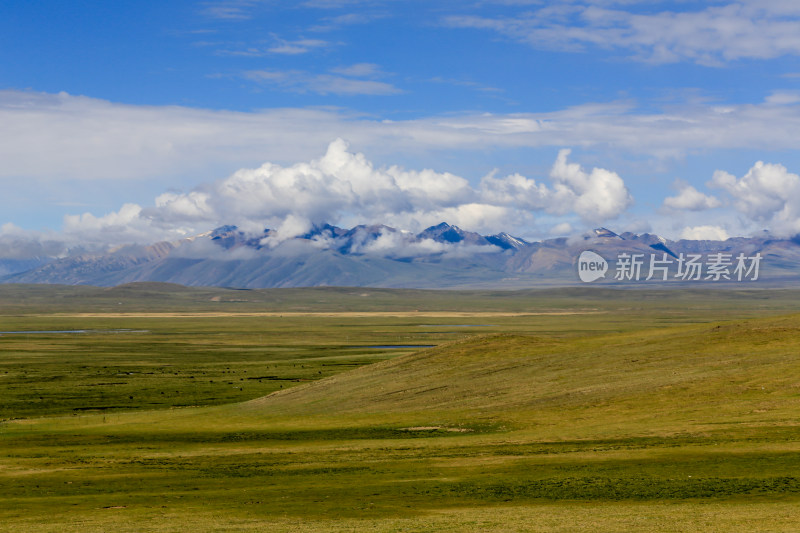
(441, 256)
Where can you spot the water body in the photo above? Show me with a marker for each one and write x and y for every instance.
(395, 346)
(456, 325)
(43, 332)
(58, 331)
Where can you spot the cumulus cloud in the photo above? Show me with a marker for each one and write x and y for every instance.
(481, 217)
(171, 206)
(704, 233)
(767, 193)
(515, 189)
(292, 226)
(343, 183)
(594, 196)
(393, 243)
(19, 243)
(403, 244)
(326, 189)
(559, 230)
(345, 187)
(127, 225)
(690, 199)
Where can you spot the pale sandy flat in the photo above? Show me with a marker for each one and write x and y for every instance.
(343, 314)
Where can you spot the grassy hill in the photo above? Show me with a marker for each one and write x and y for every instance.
(644, 412)
(658, 381)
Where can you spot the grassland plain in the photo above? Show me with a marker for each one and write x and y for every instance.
(173, 409)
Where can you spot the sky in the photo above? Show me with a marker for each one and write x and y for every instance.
(137, 121)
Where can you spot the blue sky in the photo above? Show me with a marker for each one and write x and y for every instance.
(135, 121)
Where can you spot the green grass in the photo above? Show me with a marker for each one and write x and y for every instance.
(161, 363)
(649, 412)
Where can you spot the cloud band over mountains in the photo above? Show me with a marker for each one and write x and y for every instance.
(345, 187)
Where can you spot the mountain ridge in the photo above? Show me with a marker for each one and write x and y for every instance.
(440, 256)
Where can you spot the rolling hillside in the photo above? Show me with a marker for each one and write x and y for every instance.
(641, 417)
(678, 379)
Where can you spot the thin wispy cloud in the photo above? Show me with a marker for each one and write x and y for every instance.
(328, 24)
(300, 46)
(52, 136)
(712, 35)
(336, 4)
(278, 47)
(359, 70)
(236, 10)
(324, 84)
(242, 10)
(466, 83)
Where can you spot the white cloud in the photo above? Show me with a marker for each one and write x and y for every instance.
(783, 98)
(292, 226)
(340, 184)
(229, 10)
(346, 186)
(711, 35)
(768, 193)
(690, 199)
(300, 46)
(281, 47)
(475, 216)
(87, 233)
(515, 189)
(398, 244)
(562, 229)
(339, 21)
(59, 136)
(19, 243)
(595, 196)
(118, 221)
(429, 189)
(302, 82)
(128, 225)
(704, 233)
(174, 206)
(359, 70)
(330, 84)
